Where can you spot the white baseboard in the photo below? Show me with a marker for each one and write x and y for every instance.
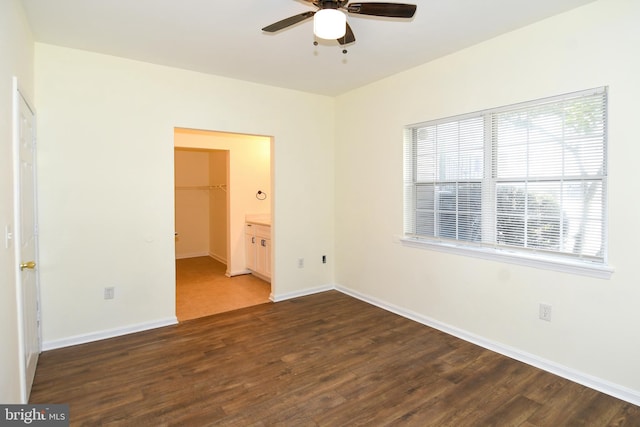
(238, 273)
(192, 255)
(110, 333)
(612, 389)
(218, 258)
(310, 291)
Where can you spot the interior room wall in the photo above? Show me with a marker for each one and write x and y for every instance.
(218, 204)
(594, 321)
(16, 53)
(192, 203)
(249, 172)
(106, 129)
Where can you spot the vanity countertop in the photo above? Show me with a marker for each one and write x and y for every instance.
(259, 219)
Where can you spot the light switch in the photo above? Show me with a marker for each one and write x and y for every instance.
(8, 236)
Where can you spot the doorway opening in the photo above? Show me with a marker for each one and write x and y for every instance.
(217, 177)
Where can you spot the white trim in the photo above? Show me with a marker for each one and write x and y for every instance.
(109, 333)
(193, 255)
(615, 390)
(217, 258)
(612, 389)
(260, 276)
(18, 96)
(202, 254)
(238, 273)
(17, 238)
(302, 293)
(489, 177)
(599, 271)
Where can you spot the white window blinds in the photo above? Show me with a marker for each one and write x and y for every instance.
(527, 177)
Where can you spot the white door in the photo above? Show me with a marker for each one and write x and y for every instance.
(26, 239)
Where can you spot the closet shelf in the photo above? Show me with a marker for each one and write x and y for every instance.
(222, 187)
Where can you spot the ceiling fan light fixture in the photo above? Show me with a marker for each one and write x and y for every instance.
(329, 24)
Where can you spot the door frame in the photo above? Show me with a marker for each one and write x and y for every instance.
(208, 146)
(25, 382)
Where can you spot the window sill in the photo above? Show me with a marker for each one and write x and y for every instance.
(599, 271)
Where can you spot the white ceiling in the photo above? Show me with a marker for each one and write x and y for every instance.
(225, 38)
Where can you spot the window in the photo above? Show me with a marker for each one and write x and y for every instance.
(527, 181)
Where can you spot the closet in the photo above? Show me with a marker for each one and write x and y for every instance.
(201, 203)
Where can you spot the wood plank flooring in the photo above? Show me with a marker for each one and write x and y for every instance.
(202, 289)
(321, 360)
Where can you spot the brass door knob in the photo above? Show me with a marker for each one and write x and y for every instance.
(30, 265)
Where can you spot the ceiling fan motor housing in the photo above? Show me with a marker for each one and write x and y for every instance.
(390, 10)
(328, 4)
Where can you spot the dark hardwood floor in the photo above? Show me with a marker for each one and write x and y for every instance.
(325, 359)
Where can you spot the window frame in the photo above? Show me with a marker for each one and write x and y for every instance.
(550, 260)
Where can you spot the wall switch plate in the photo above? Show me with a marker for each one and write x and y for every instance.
(300, 262)
(109, 293)
(545, 312)
(8, 236)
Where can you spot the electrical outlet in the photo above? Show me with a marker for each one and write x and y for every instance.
(300, 262)
(545, 312)
(109, 293)
(324, 259)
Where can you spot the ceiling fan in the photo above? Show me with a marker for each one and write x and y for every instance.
(330, 21)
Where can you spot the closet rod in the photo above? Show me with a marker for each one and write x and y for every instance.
(222, 187)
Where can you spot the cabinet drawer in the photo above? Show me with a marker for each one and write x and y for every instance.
(262, 231)
(258, 230)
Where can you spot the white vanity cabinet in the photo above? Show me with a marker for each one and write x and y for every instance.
(258, 249)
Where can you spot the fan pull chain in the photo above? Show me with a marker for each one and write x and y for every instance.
(344, 51)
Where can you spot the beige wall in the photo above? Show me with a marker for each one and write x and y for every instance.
(218, 204)
(192, 198)
(98, 229)
(594, 321)
(16, 60)
(107, 185)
